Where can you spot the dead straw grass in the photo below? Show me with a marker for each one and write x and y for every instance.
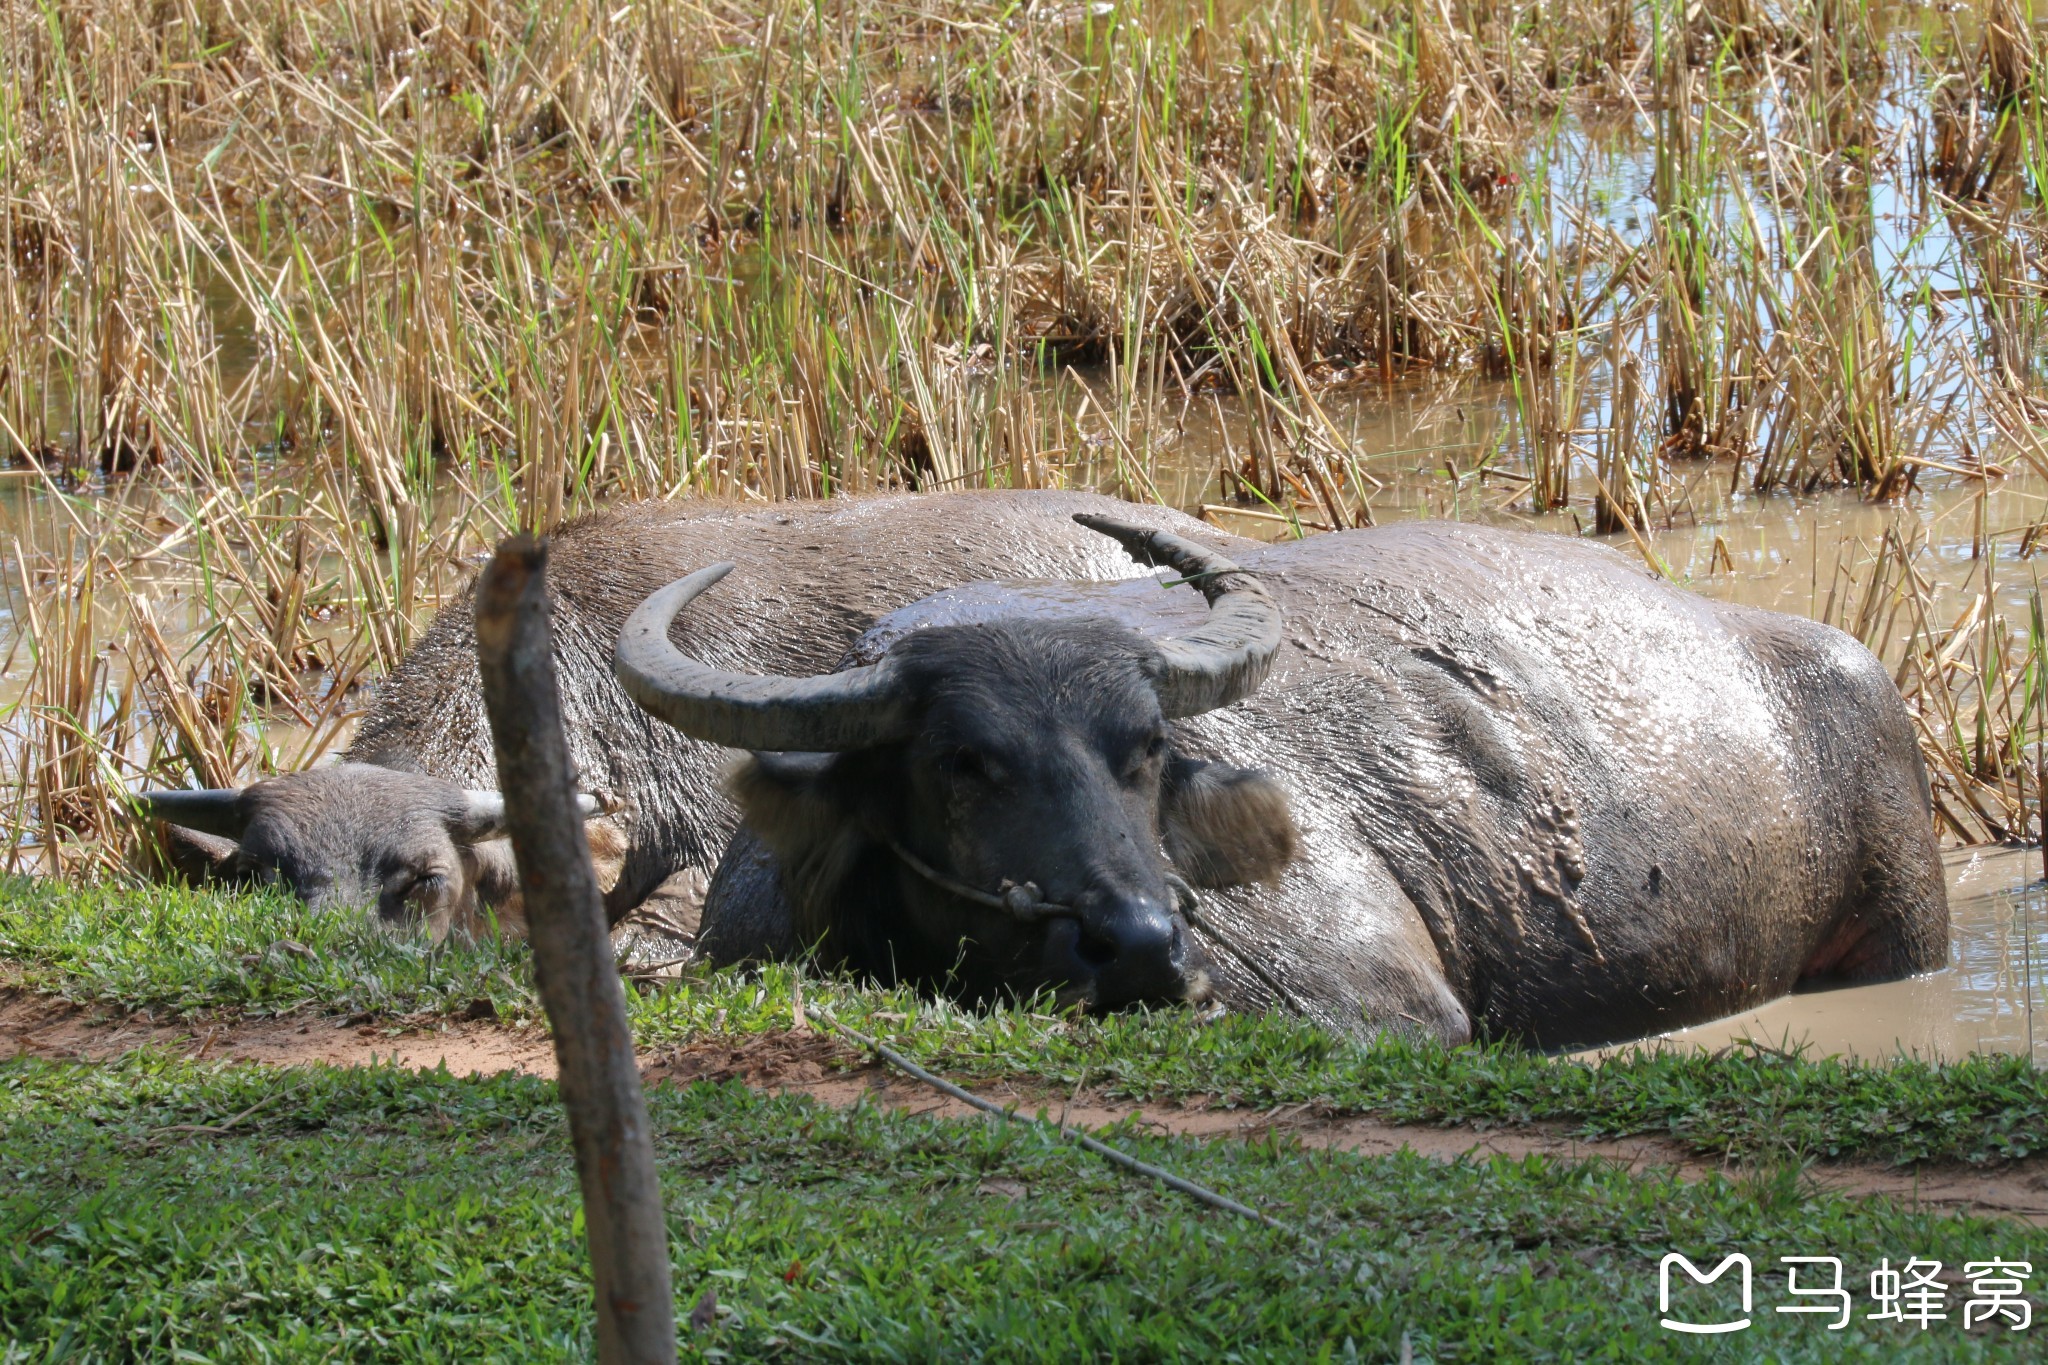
(302, 307)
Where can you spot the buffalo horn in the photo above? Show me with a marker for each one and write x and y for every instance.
(853, 709)
(210, 810)
(483, 814)
(1227, 656)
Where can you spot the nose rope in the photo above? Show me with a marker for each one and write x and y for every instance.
(1025, 902)
(1020, 900)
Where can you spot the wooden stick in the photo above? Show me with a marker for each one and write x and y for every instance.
(1201, 1193)
(573, 964)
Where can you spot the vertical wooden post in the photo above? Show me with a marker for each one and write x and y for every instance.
(579, 981)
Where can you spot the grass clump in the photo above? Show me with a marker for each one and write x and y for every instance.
(392, 1216)
(178, 951)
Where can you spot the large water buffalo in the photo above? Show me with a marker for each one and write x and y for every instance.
(1494, 782)
(409, 821)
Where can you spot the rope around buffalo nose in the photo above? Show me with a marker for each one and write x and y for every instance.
(1200, 1193)
(1023, 901)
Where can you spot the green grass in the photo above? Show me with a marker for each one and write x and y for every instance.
(174, 951)
(160, 1209)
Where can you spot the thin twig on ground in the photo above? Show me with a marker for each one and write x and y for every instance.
(1201, 1193)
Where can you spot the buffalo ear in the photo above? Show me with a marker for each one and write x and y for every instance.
(793, 804)
(1225, 826)
(198, 858)
(787, 800)
(219, 811)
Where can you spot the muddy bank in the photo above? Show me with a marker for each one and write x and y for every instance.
(818, 1065)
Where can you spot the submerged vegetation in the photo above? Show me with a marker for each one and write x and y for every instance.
(302, 307)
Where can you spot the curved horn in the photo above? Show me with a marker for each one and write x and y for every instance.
(1224, 658)
(483, 813)
(852, 709)
(210, 810)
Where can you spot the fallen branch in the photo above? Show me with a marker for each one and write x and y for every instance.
(1200, 1193)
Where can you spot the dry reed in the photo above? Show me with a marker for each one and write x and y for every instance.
(301, 307)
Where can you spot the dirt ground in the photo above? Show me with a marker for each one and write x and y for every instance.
(816, 1063)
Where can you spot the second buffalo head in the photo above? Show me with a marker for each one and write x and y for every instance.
(998, 808)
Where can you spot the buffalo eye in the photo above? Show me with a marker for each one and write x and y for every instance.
(415, 894)
(427, 887)
(1143, 755)
(971, 765)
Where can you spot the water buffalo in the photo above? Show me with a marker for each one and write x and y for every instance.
(411, 846)
(1496, 782)
(408, 822)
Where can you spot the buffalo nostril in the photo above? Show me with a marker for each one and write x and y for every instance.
(1095, 950)
(1134, 950)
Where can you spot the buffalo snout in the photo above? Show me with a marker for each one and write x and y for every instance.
(1126, 950)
